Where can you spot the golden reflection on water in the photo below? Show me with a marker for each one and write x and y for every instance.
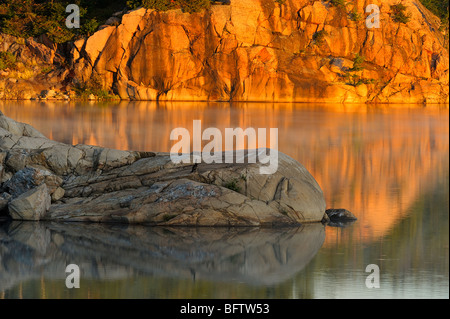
(375, 161)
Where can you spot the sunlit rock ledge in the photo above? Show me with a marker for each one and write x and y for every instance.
(43, 179)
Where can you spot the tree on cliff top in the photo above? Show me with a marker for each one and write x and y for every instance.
(31, 18)
(190, 6)
(25, 18)
(437, 7)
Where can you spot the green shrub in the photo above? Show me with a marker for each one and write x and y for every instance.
(438, 7)
(93, 86)
(7, 60)
(160, 5)
(358, 63)
(233, 185)
(56, 32)
(399, 14)
(134, 4)
(338, 3)
(356, 80)
(355, 16)
(319, 36)
(46, 69)
(89, 27)
(192, 6)
(32, 18)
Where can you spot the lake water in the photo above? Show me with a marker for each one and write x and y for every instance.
(389, 165)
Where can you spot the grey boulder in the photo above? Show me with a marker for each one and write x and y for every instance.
(31, 205)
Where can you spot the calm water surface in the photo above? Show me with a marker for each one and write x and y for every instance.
(388, 165)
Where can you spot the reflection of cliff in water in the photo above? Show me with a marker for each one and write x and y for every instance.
(30, 250)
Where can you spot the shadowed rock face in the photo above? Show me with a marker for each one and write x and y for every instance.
(88, 183)
(255, 256)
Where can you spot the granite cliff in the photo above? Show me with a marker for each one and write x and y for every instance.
(263, 50)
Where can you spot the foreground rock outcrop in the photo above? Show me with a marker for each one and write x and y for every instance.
(260, 50)
(46, 180)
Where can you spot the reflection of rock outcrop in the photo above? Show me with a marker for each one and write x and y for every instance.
(30, 250)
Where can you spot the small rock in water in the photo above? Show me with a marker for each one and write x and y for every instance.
(339, 214)
(4, 199)
(338, 217)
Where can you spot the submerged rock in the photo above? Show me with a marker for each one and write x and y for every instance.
(339, 217)
(340, 214)
(89, 183)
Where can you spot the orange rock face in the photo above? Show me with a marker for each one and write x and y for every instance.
(260, 50)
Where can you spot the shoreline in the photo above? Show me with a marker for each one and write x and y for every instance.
(119, 100)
